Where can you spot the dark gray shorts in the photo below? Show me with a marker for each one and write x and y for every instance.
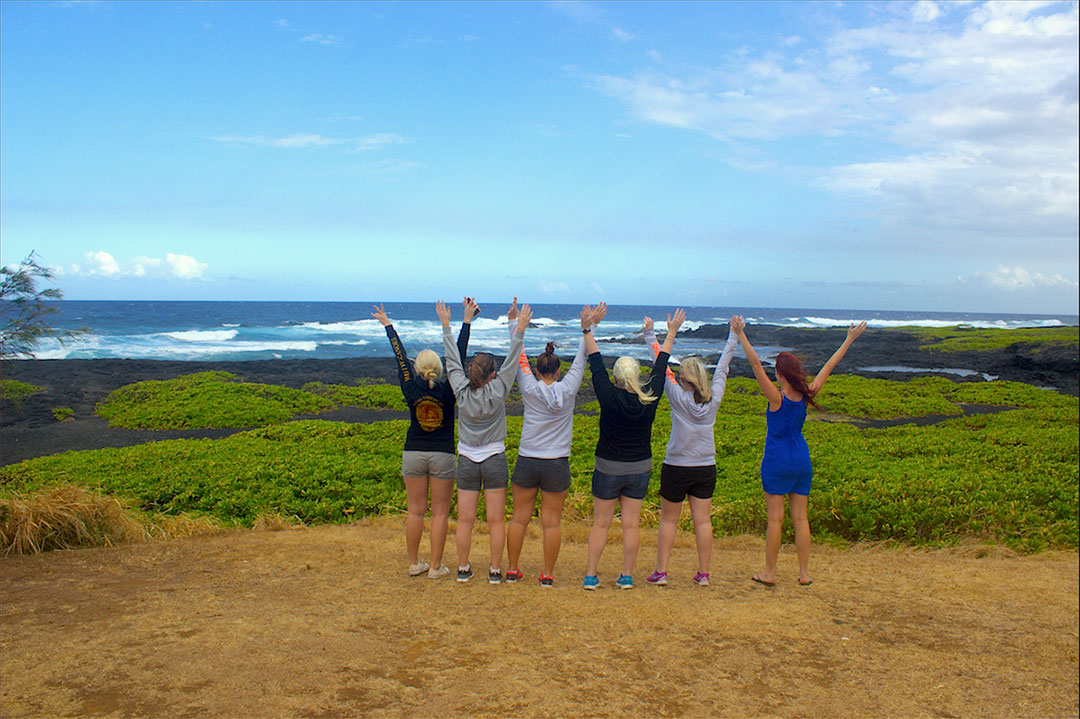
(439, 465)
(492, 473)
(550, 475)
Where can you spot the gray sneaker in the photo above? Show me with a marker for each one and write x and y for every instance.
(439, 573)
(415, 570)
(464, 575)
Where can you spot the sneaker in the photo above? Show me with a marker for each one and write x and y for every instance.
(438, 573)
(494, 576)
(625, 581)
(657, 578)
(464, 575)
(415, 570)
(592, 582)
(512, 575)
(546, 580)
(701, 579)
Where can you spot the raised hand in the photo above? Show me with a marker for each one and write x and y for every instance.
(738, 324)
(674, 323)
(443, 312)
(512, 313)
(646, 324)
(524, 315)
(586, 317)
(380, 315)
(471, 308)
(855, 330)
(599, 312)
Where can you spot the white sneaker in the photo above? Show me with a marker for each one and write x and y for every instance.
(438, 573)
(415, 570)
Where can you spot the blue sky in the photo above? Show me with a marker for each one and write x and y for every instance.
(908, 156)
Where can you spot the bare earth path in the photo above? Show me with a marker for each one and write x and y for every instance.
(323, 622)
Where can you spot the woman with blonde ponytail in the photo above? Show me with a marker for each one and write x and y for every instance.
(689, 469)
(624, 449)
(428, 458)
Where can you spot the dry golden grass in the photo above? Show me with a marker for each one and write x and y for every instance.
(324, 622)
(68, 517)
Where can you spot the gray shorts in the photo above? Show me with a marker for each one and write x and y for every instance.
(492, 473)
(550, 475)
(439, 465)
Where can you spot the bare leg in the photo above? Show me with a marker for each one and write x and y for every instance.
(631, 532)
(603, 511)
(441, 492)
(665, 538)
(524, 503)
(774, 504)
(467, 501)
(551, 507)
(797, 504)
(700, 512)
(416, 490)
(495, 499)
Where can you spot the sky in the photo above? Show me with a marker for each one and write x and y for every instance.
(866, 155)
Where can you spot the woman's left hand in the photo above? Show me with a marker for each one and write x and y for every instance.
(855, 330)
(524, 315)
(674, 323)
(380, 315)
(443, 312)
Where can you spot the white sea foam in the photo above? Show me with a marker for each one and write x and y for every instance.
(202, 335)
(814, 322)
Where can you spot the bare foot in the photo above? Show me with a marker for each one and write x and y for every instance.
(761, 579)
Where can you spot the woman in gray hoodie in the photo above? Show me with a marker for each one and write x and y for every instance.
(481, 399)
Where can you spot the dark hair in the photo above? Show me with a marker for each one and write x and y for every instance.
(480, 370)
(792, 370)
(548, 363)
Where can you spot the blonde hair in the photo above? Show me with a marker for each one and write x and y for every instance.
(429, 367)
(692, 370)
(627, 373)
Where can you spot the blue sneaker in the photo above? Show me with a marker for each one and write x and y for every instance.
(625, 581)
(592, 582)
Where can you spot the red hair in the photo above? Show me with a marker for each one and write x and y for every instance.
(789, 366)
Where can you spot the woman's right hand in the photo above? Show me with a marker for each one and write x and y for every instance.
(524, 315)
(738, 324)
(512, 313)
(646, 325)
(443, 312)
(471, 308)
(380, 315)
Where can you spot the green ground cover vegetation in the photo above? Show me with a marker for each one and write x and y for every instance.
(372, 394)
(1009, 477)
(15, 391)
(961, 338)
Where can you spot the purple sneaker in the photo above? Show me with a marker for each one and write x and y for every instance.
(657, 579)
(701, 579)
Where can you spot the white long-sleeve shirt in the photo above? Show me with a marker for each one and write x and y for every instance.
(548, 424)
(691, 443)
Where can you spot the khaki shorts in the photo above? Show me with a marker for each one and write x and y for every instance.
(439, 465)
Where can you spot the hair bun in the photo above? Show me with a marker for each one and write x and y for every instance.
(550, 349)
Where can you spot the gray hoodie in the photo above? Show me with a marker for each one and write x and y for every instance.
(691, 443)
(481, 411)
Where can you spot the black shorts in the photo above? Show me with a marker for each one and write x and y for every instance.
(677, 482)
(550, 475)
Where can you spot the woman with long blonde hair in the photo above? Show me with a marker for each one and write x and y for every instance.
(689, 469)
(428, 458)
(624, 448)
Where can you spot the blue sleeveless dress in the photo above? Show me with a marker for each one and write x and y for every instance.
(785, 466)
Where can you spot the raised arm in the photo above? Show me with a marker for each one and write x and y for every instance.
(455, 373)
(590, 317)
(854, 330)
(649, 335)
(770, 390)
(723, 367)
(512, 361)
(471, 310)
(403, 366)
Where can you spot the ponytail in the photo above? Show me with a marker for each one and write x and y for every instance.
(429, 367)
(480, 370)
(627, 373)
(548, 363)
(792, 370)
(692, 370)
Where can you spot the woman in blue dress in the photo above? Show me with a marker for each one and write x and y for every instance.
(785, 465)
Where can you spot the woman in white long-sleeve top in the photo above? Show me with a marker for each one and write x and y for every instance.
(481, 398)
(543, 462)
(689, 469)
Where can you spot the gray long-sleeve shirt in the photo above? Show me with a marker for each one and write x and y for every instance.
(691, 443)
(481, 411)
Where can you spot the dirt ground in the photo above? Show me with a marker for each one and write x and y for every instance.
(324, 622)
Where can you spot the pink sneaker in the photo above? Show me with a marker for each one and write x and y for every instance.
(701, 579)
(657, 579)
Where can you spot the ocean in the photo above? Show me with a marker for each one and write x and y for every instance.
(233, 331)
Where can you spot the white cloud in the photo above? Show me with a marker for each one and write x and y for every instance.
(1017, 278)
(319, 38)
(373, 141)
(549, 287)
(103, 264)
(621, 35)
(969, 112)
